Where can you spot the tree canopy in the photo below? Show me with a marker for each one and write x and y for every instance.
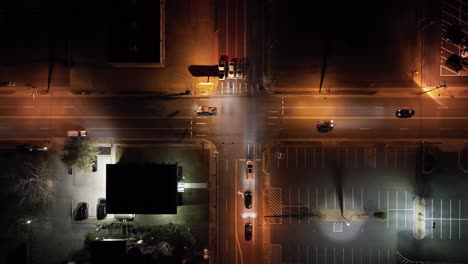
(78, 152)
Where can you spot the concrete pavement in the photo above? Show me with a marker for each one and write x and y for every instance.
(419, 215)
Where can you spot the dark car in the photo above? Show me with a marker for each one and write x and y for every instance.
(454, 34)
(464, 62)
(404, 113)
(248, 199)
(82, 212)
(454, 62)
(248, 231)
(101, 209)
(325, 126)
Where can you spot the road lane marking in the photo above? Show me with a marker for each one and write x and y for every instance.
(287, 157)
(299, 202)
(334, 198)
(365, 128)
(305, 157)
(362, 200)
(344, 199)
(459, 220)
(326, 206)
(290, 204)
(316, 198)
(352, 197)
(443, 107)
(200, 123)
(406, 196)
(308, 209)
(450, 216)
(432, 215)
(296, 157)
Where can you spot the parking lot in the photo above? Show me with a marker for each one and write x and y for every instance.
(317, 189)
(452, 12)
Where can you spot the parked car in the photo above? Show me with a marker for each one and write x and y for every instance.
(101, 209)
(464, 53)
(232, 69)
(82, 212)
(248, 199)
(464, 62)
(404, 113)
(31, 148)
(249, 166)
(222, 67)
(454, 63)
(248, 231)
(77, 133)
(454, 34)
(325, 126)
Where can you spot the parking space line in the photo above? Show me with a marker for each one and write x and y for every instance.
(396, 210)
(388, 205)
(316, 255)
(450, 222)
(459, 218)
(343, 255)
(352, 197)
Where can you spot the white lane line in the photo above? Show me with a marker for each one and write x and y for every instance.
(352, 197)
(450, 216)
(443, 107)
(396, 212)
(365, 128)
(200, 123)
(441, 219)
(459, 219)
(272, 117)
(28, 106)
(388, 205)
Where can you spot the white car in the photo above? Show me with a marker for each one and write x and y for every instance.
(464, 53)
(232, 69)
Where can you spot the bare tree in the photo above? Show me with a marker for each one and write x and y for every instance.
(35, 185)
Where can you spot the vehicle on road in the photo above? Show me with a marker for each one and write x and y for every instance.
(101, 209)
(77, 133)
(222, 67)
(325, 126)
(206, 110)
(249, 166)
(248, 199)
(454, 63)
(31, 148)
(82, 212)
(404, 113)
(248, 231)
(454, 34)
(232, 69)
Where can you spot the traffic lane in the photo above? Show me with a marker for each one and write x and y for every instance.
(56, 126)
(372, 127)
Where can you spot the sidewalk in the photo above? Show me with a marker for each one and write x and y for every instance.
(419, 217)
